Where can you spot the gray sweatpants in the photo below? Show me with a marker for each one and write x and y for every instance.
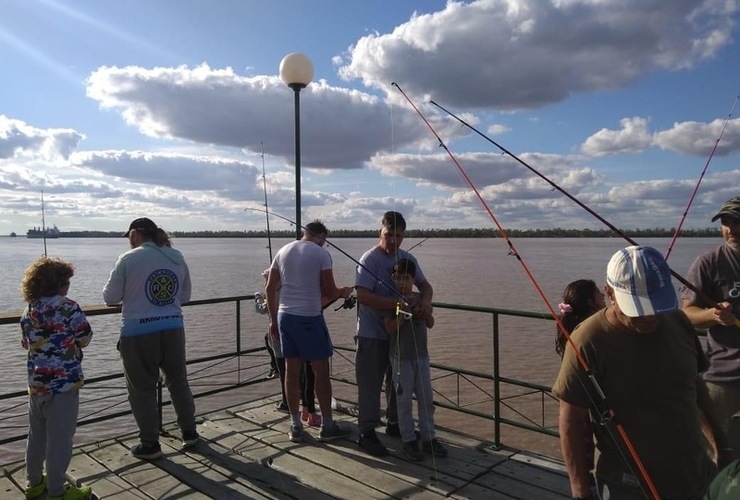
(414, 377)
(52, 422)
(371, 367)
(143, 356)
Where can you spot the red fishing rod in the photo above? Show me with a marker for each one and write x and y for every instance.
(608, 224)
(608, 412)
(696, 188)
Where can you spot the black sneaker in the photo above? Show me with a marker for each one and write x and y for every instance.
(190, 439)
(147, 451)
(281, 407)
(412, 451)
(336, 431)
(435, 447)
(272, 373)
(370, 443)
(295, 434)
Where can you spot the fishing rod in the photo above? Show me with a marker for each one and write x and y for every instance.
(696, 188)
(608, 412)
(578, 202)
(418, 244)
(380, 280)
(267, 213)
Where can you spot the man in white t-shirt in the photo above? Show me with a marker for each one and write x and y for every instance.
(301, 280)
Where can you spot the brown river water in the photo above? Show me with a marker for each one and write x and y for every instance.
(476, 272)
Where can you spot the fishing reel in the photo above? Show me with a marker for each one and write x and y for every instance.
(348, 303)
(260, 303)
(400, 313)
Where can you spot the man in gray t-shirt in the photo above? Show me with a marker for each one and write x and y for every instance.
(375, 295)
(716, 273)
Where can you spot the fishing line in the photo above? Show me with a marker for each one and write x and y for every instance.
(397, 354)
(704, 297)
(696, 188)
(609, 412)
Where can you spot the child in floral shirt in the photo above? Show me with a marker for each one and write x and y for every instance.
(54, 331)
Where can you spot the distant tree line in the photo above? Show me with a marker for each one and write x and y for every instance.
(657, 232)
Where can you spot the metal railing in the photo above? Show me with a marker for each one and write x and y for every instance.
(491, 407)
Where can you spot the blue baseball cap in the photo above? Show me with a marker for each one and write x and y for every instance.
(641, 280)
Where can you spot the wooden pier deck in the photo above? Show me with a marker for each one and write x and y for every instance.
(245, 453)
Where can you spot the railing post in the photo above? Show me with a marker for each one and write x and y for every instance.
(238, 340)
(496, 387)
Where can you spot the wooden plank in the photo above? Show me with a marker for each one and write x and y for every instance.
(258, 477)
(9, 488)
(144, 475)
(392, 475)
(246, 454)
(552, 464)
(524, 487)
(85, 469)
(253, 443)
(545, 479)
(200, 476)
(475, 490)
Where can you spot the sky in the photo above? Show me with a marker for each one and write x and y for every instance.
(174, 109)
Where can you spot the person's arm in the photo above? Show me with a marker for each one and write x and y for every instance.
(725, 454)
(187, 287)
(113, 289)
(82, 330)
(329, 290)
(271, 291)
(430, 321)
(423, 308)
(373, 300)
(573, 433)
(702, 317)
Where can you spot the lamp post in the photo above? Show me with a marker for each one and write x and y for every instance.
(296, 71)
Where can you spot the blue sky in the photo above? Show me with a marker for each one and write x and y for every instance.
(125, 109)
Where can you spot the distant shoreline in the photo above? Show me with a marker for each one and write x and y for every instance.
(425, 233)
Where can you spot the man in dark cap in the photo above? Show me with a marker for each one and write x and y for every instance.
(151, 282)
(716, 273)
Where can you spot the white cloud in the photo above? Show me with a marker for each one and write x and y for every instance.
(633, 137)
(700, 138)
(463, 56)
(497, 129)
(19, 138)
(340, 128)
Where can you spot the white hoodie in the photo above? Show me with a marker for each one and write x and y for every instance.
(151, 283)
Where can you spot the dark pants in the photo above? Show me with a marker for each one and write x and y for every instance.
(372, 367)
(143, 357)
(307, 384)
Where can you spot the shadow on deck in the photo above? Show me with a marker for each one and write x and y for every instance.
(245, 453)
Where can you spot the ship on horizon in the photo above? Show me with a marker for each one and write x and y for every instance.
(38, 232)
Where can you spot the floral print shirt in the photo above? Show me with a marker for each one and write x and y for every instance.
(54, 331)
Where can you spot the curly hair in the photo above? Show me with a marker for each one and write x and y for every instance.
(44, 278)
(578, 295)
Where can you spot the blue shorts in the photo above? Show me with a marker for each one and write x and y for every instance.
(305, 337)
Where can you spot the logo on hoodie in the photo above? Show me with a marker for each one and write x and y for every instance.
(161, 287)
